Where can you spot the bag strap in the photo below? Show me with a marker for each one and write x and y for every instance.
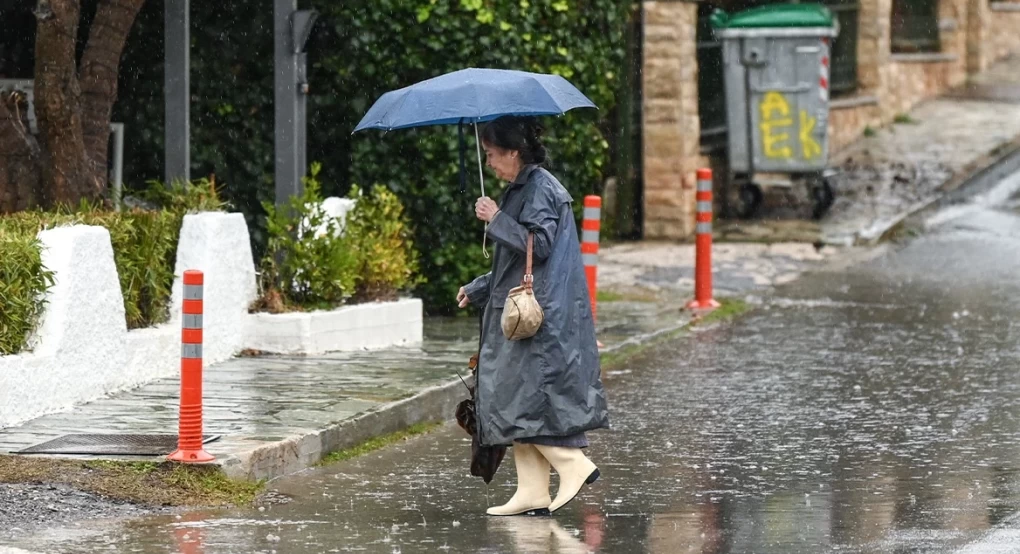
(529, 278)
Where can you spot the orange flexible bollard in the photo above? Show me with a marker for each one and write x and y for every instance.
(189, 436)
(590, 225)
(703, 253)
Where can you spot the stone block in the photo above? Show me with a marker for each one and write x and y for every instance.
(667, 13)
(661, 79)
(662, 111)
(665, 141)
(669, 198)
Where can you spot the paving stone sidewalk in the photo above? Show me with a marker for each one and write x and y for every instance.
(278, 415)
(905, 167)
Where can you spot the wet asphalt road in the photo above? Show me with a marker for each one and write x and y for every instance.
(870, 409)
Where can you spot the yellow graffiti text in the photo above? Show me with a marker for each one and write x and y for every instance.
(809, 147)
(774, 102)
(773, 138)
(775, 118)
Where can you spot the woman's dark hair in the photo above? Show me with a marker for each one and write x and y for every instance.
(523, 134)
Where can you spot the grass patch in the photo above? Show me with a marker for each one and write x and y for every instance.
(904, 119)
(150, 483)
(635, 294)
(870, 132)
(730, 308)
(608, 296)
(379, 442)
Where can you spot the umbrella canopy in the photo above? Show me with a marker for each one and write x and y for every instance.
(473, 96)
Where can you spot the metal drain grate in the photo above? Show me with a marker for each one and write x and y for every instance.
(126, 445)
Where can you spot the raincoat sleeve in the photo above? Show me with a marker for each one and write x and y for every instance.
(478, 291)
(540, 216)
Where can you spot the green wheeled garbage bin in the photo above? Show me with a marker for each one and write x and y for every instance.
(776, 76)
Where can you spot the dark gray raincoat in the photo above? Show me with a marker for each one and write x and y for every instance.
(548, 385)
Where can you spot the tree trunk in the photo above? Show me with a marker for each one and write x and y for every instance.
(19, 156)
(67, 161)
(66, 169)
(99, 69)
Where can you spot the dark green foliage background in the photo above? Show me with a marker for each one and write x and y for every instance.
(358, 50)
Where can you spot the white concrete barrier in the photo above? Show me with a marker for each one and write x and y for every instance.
(82, 349)
(218, 245)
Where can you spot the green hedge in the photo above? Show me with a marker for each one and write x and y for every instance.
(23, 281)
(144, 249)
(359, 50)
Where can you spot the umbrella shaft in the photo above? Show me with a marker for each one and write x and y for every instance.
(478, 148)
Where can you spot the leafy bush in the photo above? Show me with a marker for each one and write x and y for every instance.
(304, 268)
(23, 283)
(359, 50)
(182, 197)
(379, 232)
(313, 263)
(144, 249)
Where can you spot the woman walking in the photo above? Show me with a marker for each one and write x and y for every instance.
(539, 394)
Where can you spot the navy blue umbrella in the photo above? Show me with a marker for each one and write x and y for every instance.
(473, 96)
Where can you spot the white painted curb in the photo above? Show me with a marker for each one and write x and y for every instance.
(359, 327)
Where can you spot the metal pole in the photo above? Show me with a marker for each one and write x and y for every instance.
(118, 163)
(285, 94)
(176, 88)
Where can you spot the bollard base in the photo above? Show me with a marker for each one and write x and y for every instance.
(703, 305)
(191, 456)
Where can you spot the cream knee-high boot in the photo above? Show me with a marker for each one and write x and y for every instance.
(532, 496)
(575, 470)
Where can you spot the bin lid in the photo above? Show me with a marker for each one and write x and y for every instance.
(775, 15)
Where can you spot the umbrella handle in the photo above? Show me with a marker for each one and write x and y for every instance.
(481, 180)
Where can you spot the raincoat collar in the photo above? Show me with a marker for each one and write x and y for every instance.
(525, 173)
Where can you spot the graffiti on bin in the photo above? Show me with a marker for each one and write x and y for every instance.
(776, 123)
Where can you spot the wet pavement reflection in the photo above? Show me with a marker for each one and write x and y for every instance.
(875, 409)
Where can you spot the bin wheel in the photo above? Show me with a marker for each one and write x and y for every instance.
(823, 196)
(751, 197)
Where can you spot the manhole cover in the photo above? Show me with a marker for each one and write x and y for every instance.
(127, 445)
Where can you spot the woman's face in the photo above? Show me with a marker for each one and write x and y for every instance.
(506, 163)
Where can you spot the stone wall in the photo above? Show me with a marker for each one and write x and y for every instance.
(848, 122)
(1004, 31)
(907, 79)
(670, 118)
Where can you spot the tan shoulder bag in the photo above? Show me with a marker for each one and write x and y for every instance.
(522, 316)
